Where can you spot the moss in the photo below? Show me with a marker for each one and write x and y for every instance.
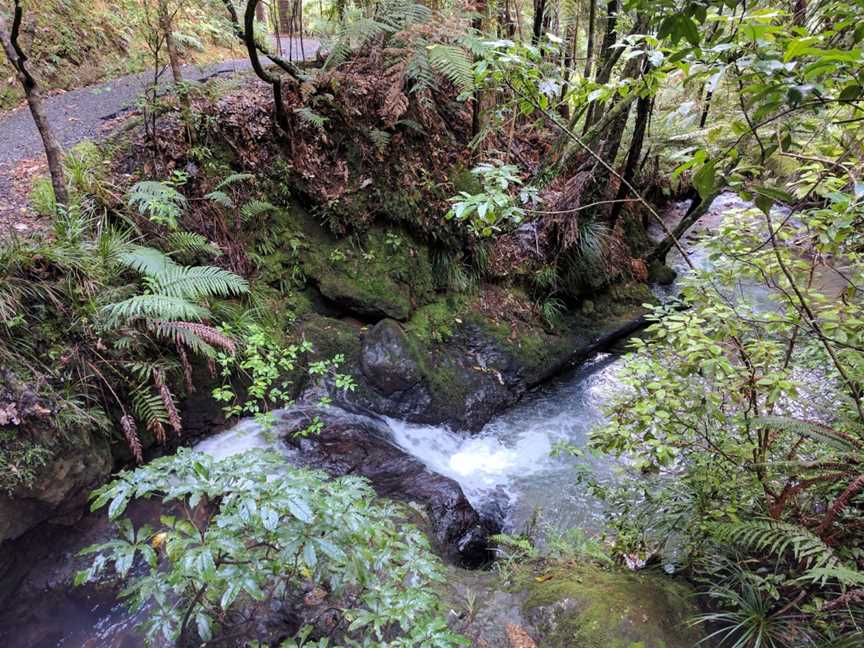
(437, 322)
(387, 274)
(330, 337)
(661, 274)
(585, 606)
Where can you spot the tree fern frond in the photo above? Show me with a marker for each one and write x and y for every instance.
(153, 307)
(778, 538)
(196, 282)
(816, 431)
(146, 260)
(453, 62)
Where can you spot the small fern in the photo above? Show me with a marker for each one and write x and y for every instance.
(308, 116)
(255, 208)
(158, 201)
(191, 243)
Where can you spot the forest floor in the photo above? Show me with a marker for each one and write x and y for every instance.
(89, 113)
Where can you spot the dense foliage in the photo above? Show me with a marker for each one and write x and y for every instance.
(252, 536)
(528, 150)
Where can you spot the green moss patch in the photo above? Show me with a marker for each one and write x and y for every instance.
(585, 606)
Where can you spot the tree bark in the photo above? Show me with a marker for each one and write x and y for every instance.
(18, 60)
(539, 16)
(643, 112)
(607, 59)
(589, 50)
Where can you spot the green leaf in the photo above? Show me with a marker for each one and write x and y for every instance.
(705, 180)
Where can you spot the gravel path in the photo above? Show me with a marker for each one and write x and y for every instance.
(82, 114)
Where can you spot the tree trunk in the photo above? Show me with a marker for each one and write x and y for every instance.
(166, 24)
(285, 15)
(607, 59)
(539, 16)
(643, 112)
(18, 60)
(589, 50)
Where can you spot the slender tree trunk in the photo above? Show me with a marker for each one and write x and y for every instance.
(607, 59)
(643, 112)
(18, 60)
(589, 50)
(539, 17)
(166, 24)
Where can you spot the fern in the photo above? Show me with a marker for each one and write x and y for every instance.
(379, 138)
(234, 178)
(191, 243)
(778, 538)
(816, 431)
(145, 260)
(196, 282)
(153, 307)
(307, 116)
(221, 198)
(453, 62)
(158, 201)
(255, 208)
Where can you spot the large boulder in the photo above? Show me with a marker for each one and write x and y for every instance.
(557, 604)
(361, 446)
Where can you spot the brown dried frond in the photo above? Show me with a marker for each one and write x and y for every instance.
(187, 367)
(566, 223)
(395, 101)
(158, 430)
(130, 431)
(168, 401)
(212, 336)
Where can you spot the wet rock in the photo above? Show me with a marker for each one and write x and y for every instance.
(360, 445)
(388, 360)
(74, 461)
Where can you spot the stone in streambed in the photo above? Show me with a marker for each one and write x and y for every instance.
(360, 446)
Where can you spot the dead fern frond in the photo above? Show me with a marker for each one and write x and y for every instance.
(130, 431)
(168, 401)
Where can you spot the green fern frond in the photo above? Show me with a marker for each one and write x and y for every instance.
(221, 198)
(309, 117)
(148, 406)
(191, 243)
(196, 282)
(778, 538)
(453, 62)
(816, 431)
(234, 178)
(153, 307)
(146, 260)
(157, 200)
(255, 208)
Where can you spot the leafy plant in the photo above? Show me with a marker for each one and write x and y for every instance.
(243, 544)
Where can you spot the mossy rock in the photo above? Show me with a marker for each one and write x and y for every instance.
(589, 607)
(330, 337)
(387, 275)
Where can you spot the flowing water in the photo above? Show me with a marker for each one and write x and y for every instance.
(510, 462)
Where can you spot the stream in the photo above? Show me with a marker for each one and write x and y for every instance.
(510, 463)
